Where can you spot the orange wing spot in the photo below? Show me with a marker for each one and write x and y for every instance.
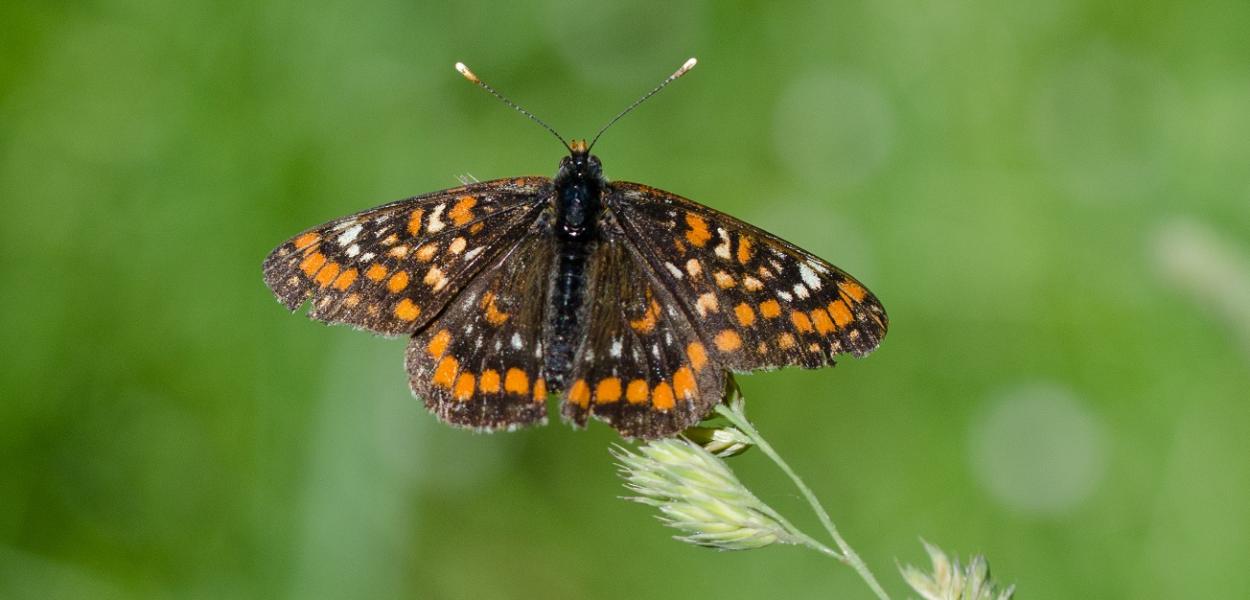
(351, 300)
(312, 263)
(746, 316)
(445, 372)
(636, 393)
(752, 284)
(438, 344)
(489, 383)
(414, 222)
(376, 272)
(770, 309)
(801, 322)
(540, 390)
(406, 310)
(516, 381)
(706, 303)
(476, 227)
(698, 233)
(744, 249)
(579, 394)
(854, 290)
(785, 341)
(345, 279)
(327, 274)
(462, 212)
(841, 313)
(683, 383)
(457, 245)
(679, 245)
(697, 355)
(728, 340)
(464, 386)
(397, 282)
(824, 325)
(814, 348)
(400, 251)
(426, 252)
(493, 315)
(724, 280)
(608, 391)
(306, 240)
(648, 320)
(662, 397)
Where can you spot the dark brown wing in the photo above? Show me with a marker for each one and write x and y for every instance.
(642, 366)
(479, 363)
(391, 269)
(759, 302)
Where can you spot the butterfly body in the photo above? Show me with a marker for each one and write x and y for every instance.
(578, 204)
(629, 303)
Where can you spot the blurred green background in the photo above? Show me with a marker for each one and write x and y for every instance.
(1051, 198)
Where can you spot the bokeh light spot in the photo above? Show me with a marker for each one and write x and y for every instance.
(1038, 449)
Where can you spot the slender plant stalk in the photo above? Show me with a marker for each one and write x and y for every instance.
(847, 555)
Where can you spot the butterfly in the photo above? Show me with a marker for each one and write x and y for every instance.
(629, 303)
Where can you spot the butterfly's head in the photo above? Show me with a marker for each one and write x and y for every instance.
(580, 164)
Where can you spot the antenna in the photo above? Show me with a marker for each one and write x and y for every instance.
(471, 77)
(689, 64)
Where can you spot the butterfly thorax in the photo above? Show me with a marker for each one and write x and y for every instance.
(579, 186)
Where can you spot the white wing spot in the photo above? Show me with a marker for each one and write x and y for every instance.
(516, 341)
(353, 250)
(722, 249)
(784, 295)
(473, 253)
(694, 267)
(800, 290)
(706, 303)
(367, 256)
(616, 348)
(457, 245)
(349, 236)
(672, 268)
(809, 277)
(436, 224)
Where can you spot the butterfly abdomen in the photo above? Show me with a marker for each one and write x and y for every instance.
(566, 311)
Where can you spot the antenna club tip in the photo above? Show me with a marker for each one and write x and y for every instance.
(466, 72)
(689, 64)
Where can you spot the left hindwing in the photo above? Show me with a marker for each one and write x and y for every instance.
(759, 302)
